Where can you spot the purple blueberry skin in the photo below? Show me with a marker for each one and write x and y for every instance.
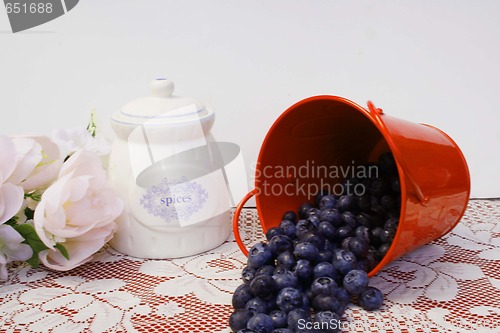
(371, 299)
(261, 323)
(241, 296)
(355, 282)
(289, 299)
(239, 318)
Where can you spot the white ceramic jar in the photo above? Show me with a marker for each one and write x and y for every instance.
(165, 165)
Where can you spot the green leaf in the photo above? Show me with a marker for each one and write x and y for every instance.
(12, 221)
(33, 195)
(31, 237)
(34, 261)
(33, 240)
(63, 250)
(29, 213)
(91, 127)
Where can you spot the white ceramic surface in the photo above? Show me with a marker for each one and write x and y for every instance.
(167, 167)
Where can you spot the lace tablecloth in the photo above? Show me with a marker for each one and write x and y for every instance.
(450, 285)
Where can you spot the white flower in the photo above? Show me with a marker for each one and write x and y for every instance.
(38, 162)
(74, 139)
(77, 211)
(11, 248)
(11, 195)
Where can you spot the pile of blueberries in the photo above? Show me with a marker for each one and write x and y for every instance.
(315, 263)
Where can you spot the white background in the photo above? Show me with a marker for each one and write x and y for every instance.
(425, 61)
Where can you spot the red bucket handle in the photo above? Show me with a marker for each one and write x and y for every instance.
(376, 115)
(236, 219)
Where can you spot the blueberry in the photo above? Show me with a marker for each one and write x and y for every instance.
(303, 209)
(324, 302)
(312, 212)
(303, 226)
(305, 302)
(279, 318)
(346, 203)
(355, 282)
(289, 298)
(324, 256)
(286, 279)
(359, 247)
(261, 323)
(265, 270)
(327, 322)
(331, 215)
(363, 233)
(280, 243)
(257, 305)
(328, 201)
(342, 295)
(238, 319)
(241, 296)
(344, 232)
(350, 219)
(376, 235)
(246, 330)
(317, 198)
(344, 261)
(325, 269)
(262, 286)
(280, 269)
(298, 319)
(364, 265)
(345, 243)
(364, 219)
(288, 228)
(282, 330)
(271, 303)
(387, 235)
(391, 224)
(371, 299)
(286, 259)
(314, 238)
(382, 250)
(327, 230)
(247, 274)
(259, 255)
(314, 219)
(323, 285)
(290, 215)
(271, 232)
(303, 270)
(306, 250)
(329, 246)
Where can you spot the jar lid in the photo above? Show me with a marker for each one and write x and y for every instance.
(161, 107)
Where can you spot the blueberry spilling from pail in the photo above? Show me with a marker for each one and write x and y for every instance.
(323, 265)
(340, 237)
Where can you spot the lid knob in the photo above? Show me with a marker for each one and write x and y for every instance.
(161, 87)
